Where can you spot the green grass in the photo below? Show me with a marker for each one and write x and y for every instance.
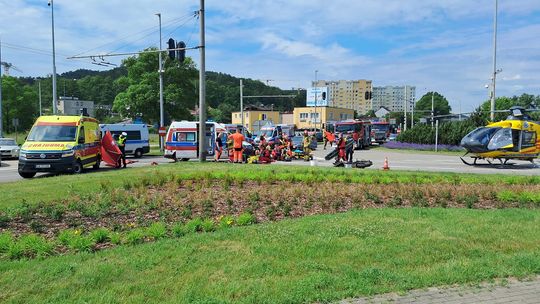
(65, 186)
(319, 258)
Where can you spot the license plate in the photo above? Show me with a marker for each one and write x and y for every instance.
(43, 166)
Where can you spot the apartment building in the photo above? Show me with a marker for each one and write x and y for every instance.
(348, 94)
(394, 98)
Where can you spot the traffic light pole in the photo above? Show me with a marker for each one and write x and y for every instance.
(202, 90)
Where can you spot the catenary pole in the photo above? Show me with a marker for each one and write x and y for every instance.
(161, 112)
(202, 90)
(492, 114)
(55, 99)
(1, 118)
(242, 102)
(39, 91)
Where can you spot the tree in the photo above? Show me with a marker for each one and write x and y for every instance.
(504, 103)
(370, 114)
(19, 101)
(441, 106)
(140, 94)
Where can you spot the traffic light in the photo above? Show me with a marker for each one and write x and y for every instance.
(181, 53)
(171, 46)
(323, 95)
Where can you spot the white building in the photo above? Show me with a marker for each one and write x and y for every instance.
(394, 98)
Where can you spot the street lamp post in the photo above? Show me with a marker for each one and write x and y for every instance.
(55, 99)
(161, 113)
(492, 115)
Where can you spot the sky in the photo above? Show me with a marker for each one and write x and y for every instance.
(435, 45)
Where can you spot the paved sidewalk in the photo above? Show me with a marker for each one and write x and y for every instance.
(526, 292)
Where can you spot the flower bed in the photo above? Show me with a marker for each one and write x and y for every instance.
(169, 207)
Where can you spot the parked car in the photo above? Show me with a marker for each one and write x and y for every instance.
(298, 143)
(9, 148)
(392, 137)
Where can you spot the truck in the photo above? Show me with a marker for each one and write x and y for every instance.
(380, 131)
(60, 143)
(359, 129)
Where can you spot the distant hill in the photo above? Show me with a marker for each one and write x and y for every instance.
(81, 73)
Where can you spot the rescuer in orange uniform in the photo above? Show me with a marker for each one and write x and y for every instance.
(237, 138)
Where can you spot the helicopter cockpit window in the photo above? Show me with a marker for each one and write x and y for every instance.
(528, 139)
(501, 138)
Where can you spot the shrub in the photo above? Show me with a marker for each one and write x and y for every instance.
(100, 235)
(81, 243)
(37, 226)
(6, 241)
(116, 238)
(55, 212)
(226, 221)
(157, 230)
(179, 230)
(245, 219)
(135, 236)
(207, 225)
(67, 235)
(4, 220)
(33, 245)
(506, 196)
(194, 225)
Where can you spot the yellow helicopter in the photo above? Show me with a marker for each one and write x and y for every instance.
(516, 138)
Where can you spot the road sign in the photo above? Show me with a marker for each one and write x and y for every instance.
(162, 131)
(392, 121)
(15, 122)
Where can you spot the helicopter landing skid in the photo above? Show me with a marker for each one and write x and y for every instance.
(490, 162)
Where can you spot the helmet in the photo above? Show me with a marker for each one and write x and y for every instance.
(124, 134)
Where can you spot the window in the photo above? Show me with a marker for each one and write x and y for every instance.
(528, 139)
(131, 135)
(81, 136)
(185, 136)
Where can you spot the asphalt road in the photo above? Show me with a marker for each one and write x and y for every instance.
(398, 160)
(8, 170)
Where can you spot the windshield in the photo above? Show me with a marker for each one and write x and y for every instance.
(52, 133)
(378, 127)
(7, 142)
(344, 128)
(267, 133)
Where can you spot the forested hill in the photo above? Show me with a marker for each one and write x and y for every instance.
(133, 89)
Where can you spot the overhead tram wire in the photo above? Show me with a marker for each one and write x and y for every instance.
(147, 32)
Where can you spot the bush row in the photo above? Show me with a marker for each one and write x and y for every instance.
(450, 133)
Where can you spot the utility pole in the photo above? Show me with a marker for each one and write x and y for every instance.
(1, 118)
(492, 115)
(161, 114)
(55, 99)
(242, 102)
(39, 90)
(202, 90)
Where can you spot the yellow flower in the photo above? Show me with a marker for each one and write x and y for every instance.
(77, 232)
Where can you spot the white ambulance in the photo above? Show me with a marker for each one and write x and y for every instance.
(182, 140)
(137, 142)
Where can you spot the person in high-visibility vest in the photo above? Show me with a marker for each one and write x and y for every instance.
(122, 146)
(237, 139)
(306, 146)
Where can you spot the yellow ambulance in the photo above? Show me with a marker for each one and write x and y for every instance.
(61, 144)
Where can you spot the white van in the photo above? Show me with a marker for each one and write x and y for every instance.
(182, 140)
(137, 142)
